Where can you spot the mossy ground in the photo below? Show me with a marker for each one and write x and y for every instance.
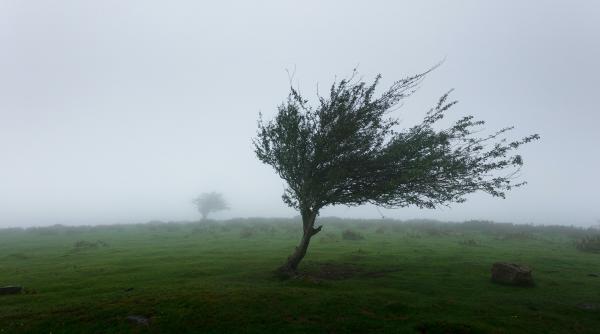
(217, 277)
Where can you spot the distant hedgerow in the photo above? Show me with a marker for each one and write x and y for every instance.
(589, 244)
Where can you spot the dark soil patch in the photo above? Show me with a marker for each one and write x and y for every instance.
(342, 271)
(336, 271)
(443, 327)
(380, 273)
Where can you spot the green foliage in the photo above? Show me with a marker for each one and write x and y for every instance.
(346, 150)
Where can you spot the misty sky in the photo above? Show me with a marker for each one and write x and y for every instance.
(123, 111)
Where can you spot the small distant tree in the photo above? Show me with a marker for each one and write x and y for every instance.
(346, 151)
(210, 202)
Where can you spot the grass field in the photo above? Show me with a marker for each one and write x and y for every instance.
(216, 277)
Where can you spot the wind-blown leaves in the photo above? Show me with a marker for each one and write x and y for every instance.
(346, 150)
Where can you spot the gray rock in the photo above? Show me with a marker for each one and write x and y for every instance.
(588, 306)
(512, 274)
(11, 290)
(138, 320)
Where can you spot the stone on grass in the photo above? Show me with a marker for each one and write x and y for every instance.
(511, 274)
(138, 320)
(588, 306)
(11, 290)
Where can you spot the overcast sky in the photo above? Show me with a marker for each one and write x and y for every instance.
(123, 111)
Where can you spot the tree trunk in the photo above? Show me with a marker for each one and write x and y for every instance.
(289, 269)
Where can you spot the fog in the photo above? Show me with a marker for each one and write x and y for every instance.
(124, 111)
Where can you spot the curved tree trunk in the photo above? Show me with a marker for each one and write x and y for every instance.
(290, 267)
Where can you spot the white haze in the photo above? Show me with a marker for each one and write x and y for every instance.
(123, 111)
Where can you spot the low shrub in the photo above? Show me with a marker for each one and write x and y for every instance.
(589, 244)
(247, 232)
(517, 236)
(328, 237)
(82, 245)
(469, 242)
(351, 235)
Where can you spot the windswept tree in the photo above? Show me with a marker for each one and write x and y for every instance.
(347, 150)
(210, 202)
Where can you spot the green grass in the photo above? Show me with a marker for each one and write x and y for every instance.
(211, 277)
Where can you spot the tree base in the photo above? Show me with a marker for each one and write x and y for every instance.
(286, 272)
(289, 268)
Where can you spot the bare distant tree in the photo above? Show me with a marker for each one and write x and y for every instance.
(210, 202)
